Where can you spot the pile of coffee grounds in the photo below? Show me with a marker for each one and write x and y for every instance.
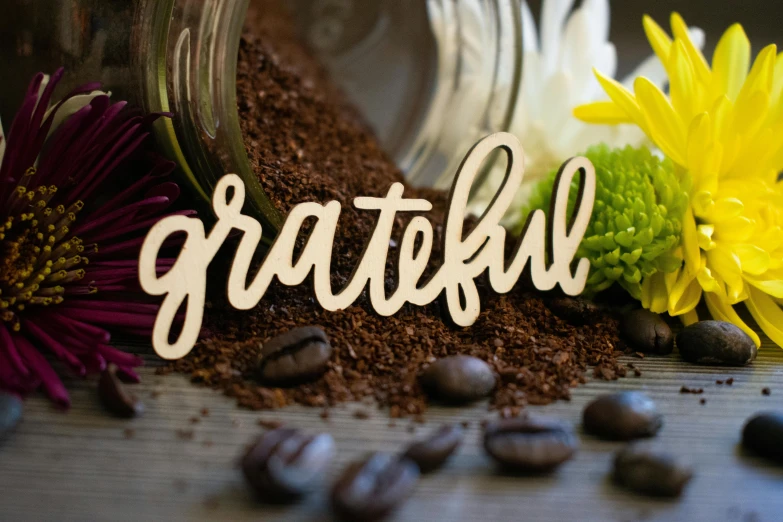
(306, 143)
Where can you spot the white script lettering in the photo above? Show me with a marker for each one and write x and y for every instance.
(549, 246)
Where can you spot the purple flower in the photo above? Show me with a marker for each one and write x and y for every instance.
(74, 210)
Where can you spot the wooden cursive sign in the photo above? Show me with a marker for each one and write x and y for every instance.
(549, 246)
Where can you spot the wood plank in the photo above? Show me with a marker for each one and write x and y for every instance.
(80, 466)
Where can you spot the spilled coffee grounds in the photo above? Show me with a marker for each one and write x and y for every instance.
(306, 143)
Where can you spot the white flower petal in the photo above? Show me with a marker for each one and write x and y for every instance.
(579, 52)
(599, 17)
(606, 62)
(697, 37)
(532, 80)
(557, 100)
(652, 69)
(553, 17)
(71, 107)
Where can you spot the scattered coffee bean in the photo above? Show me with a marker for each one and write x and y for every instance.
(730, 382)
(285, 464)
(371, 489)
(530, 444)
(766, 392)
(622, 416)
(648, 472)
(647, 332)
(459, 378)
(115, 398)
(576, 311)
(431, 453)
(716, 342)
(298, 355)
(11, 409)
(763, 435)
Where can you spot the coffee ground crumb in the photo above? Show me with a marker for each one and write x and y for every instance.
(695, 391)
(185, 434)
(268, 424)
(730, 381)
(306, 143)
(766, 391)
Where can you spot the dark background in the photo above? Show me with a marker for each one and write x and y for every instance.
(762, 20)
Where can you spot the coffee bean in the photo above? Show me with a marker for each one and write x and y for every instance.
(649, 472)
(11, 408)
(576, 311)
(371, 489)
(459, 379)
(622, 416)
(431, 453)
(285, 464)
(647, 332)
(716, 342)
(298, 355)
(530, 444)
(763, 435)
(115, 397)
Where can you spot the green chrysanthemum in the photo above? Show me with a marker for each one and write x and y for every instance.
(637, 219)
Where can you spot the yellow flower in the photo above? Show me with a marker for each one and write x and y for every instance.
(722, 125)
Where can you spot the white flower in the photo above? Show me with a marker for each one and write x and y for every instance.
(557, 76)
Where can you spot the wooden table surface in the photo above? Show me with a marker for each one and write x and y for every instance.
(86, 465)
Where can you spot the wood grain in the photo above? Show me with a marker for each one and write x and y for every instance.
(82, 466)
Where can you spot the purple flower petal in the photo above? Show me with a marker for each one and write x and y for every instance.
(39, 366)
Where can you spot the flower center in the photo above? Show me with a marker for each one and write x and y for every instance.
(38, 256)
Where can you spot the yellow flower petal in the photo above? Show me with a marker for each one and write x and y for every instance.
(680, 31)
(624, 99)
(684, 300)
(706, 280)
(777, 81)
(690, 244)
(654, 296)
(704, 236)
(731, 61)
(603, 112)
(725, 265)
(659, 40)
(737, 229)
(773, 287)
(699, 142)
(754, 260)
(690, 318)
(682, 87)
(767, 314)
(665, 126)
(723, 311)
(761, 76)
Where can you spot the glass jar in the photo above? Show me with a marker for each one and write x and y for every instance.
(430, 76)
